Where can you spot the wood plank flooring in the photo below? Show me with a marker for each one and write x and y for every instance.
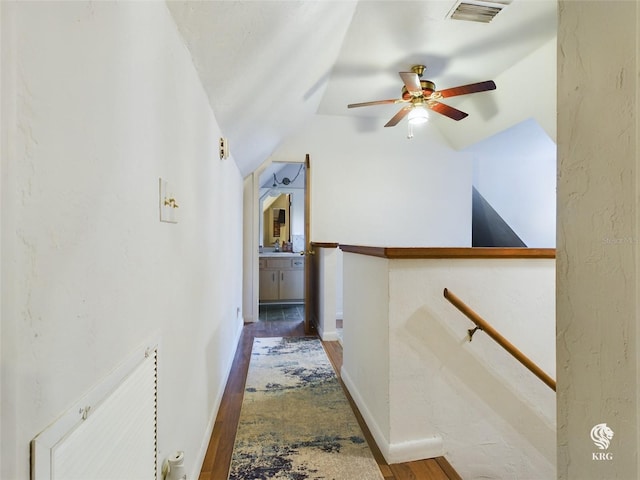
(218, 457)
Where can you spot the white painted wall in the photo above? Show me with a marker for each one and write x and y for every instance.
(598, 237)
(252, 215)
(373, 186)
(328, 275)
(7, 110)
(515, 171)
(99, 101)
(339, 285)
(366, 362)
(472, 402)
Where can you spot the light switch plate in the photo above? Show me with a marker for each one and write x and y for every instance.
(224, 148)
(168, 204)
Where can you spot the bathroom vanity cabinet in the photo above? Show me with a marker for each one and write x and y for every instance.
(281, 277)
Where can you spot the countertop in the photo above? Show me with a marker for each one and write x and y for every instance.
(279, 254)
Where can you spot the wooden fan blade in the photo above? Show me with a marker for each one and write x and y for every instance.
(398, 116)
(448, 111)
(412, 82)
(377, 102)
(465, 89)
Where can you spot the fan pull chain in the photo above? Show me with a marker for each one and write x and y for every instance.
(410, 133)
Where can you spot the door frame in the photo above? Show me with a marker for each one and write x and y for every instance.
(251, 294)
(310, 290)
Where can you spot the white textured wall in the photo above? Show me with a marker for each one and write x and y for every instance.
(99, 101)
(597, 299)
(472, 402)
(495, 418)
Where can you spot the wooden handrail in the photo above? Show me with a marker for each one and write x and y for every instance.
(482, 324)
(416, 253)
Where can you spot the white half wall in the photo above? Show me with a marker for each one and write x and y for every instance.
(339, 286)
(424, 390)
(328, 276)
(366, 362)
(100, 100)
(495, 418)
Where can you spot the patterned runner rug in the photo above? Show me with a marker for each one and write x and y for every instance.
(296, 422)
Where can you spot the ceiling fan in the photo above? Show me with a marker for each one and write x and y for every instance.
(421, 94)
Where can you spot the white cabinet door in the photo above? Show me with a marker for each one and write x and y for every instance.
(269, 281)
(291, 284)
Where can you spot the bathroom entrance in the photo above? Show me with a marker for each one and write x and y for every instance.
(283, 237)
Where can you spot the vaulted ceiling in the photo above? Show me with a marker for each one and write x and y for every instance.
(269, 66)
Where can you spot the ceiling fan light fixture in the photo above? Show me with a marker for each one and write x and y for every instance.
(418, 94)
(418, 116)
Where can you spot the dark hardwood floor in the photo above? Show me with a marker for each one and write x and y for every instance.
(218, 456)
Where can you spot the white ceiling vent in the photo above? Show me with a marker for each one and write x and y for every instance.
(477, 10)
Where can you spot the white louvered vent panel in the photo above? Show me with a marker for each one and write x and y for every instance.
(477, 10)
(116, 440)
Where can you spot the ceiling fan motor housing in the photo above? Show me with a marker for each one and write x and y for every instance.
(428, 87)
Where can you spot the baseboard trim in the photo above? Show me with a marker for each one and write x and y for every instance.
(411, 450)
(328, 336)
(399, 452)
(199, 462)
(373, 426)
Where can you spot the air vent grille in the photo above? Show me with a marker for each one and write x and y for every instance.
(477, 10)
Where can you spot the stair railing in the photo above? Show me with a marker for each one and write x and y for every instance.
(483, 325)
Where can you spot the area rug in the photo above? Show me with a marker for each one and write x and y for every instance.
(296, 422)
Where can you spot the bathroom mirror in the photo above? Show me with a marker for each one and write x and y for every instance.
(281, 206)
(274, 217)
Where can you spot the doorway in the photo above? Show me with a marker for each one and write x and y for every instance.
(281, 240)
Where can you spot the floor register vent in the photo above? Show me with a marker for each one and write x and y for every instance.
(110, 433)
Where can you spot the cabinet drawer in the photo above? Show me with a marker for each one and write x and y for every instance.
(297, 263)
(278, 263)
